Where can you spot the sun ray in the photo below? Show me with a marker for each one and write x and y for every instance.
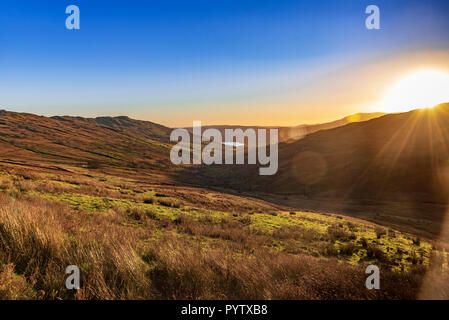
(420, 89)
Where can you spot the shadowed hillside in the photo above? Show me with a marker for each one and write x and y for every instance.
(395, 157)
(401, 158)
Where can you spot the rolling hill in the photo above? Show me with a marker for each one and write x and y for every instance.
(110, 142)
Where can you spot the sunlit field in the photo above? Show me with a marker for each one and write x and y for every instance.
(135, 240)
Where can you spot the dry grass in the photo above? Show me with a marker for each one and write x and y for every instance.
(41, 240)
(38, 240)
(170, 242)
(13, 286)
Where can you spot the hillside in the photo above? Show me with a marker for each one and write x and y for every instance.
(398, 156)
(101, 194)
(111, 143)
(135, 239)
(392, 169)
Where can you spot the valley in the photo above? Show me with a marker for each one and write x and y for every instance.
(101, 194)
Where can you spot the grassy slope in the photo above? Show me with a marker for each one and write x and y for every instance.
(144, 240)
(113, 142)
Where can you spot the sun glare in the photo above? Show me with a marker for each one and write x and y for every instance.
(422, 89)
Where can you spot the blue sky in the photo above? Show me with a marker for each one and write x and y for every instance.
(168, 61)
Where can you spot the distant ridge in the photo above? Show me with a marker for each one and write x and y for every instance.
(289, 134)
(124, 123)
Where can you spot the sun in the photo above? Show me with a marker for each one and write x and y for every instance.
(420, 89)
